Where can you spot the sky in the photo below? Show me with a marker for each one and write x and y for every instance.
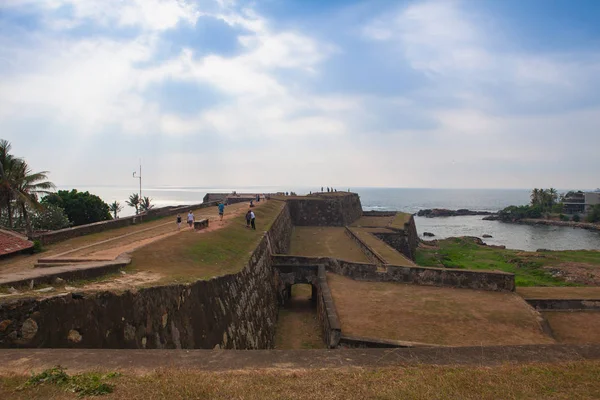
(225, 93)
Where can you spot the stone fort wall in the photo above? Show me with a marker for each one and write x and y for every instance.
(339, 209)
(236, 311)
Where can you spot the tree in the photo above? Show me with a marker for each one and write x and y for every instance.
(49, 217)
(27, 186)
(19, 186)
(115, 208)
(8, 168)
(134, 201)
(145, 204)
(81, 207)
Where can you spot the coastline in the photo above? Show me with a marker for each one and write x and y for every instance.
(532, 221)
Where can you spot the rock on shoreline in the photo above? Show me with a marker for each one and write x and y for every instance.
(442, 212)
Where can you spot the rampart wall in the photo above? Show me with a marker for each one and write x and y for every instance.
(236, 311)
(334, 210)
(447, 277)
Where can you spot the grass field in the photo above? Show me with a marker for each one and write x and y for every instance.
(576, 380)
(325, 241)
(574, 326)
(528, 267)
(434, 315)
(190, 255)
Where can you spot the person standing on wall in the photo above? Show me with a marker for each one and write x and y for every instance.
(221, 210)
(190, 219)
(252, 218)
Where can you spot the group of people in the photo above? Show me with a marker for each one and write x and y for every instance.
(250, 216)
(190, 220)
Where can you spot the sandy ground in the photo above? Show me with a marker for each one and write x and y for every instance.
(435, 315)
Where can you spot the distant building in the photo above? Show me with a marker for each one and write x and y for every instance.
(580, 202)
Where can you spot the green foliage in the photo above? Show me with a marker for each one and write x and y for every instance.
(88, 384)
(527, 267)
(37, 246)
(594, 215)
(515, 213)
(81, 207)
(145, 204)
(558, 208)
(545, 199)
(576, 218)
(49, 217)
(134, 201)
(115, 207)
(563, 217)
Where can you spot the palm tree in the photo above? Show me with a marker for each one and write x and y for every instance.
(27, 186)
(134, 201)
(115, 208)
(535, 196)
(8, 164)
(145, 204)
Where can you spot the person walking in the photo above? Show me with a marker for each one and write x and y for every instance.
(248, 219)
(252, 218)
(221, 210)
(178, 221)
(190, 219)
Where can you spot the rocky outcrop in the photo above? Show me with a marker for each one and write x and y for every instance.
(442, 212)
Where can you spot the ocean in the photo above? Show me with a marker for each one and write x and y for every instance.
(513, 236)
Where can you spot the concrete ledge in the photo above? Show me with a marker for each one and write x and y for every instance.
(25, 361)
(564, 304)
(369, 252)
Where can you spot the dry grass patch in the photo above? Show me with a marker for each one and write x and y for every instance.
(190, 255)
(567, 292)
(325, 241)
(444, 316)
(371, 221)
(574, 326)
(576, 380)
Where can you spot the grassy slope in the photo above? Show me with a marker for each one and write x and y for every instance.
(527, 266)
(577, 380)
(189, 255)
(325, 241)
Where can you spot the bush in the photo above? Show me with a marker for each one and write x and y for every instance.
(49, 218)
(563, 217)
(594, 215)
(576, 218)
(37, 246)
(81, 207)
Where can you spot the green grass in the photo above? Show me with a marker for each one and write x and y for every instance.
(527, 267)
(190, 256)
(88, 384)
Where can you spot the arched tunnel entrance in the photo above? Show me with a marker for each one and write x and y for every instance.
(298, 325)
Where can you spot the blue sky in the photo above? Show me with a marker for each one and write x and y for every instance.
(463, 94)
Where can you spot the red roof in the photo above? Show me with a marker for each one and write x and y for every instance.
(11, 242)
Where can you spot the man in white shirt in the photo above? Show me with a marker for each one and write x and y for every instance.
(252, 218)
